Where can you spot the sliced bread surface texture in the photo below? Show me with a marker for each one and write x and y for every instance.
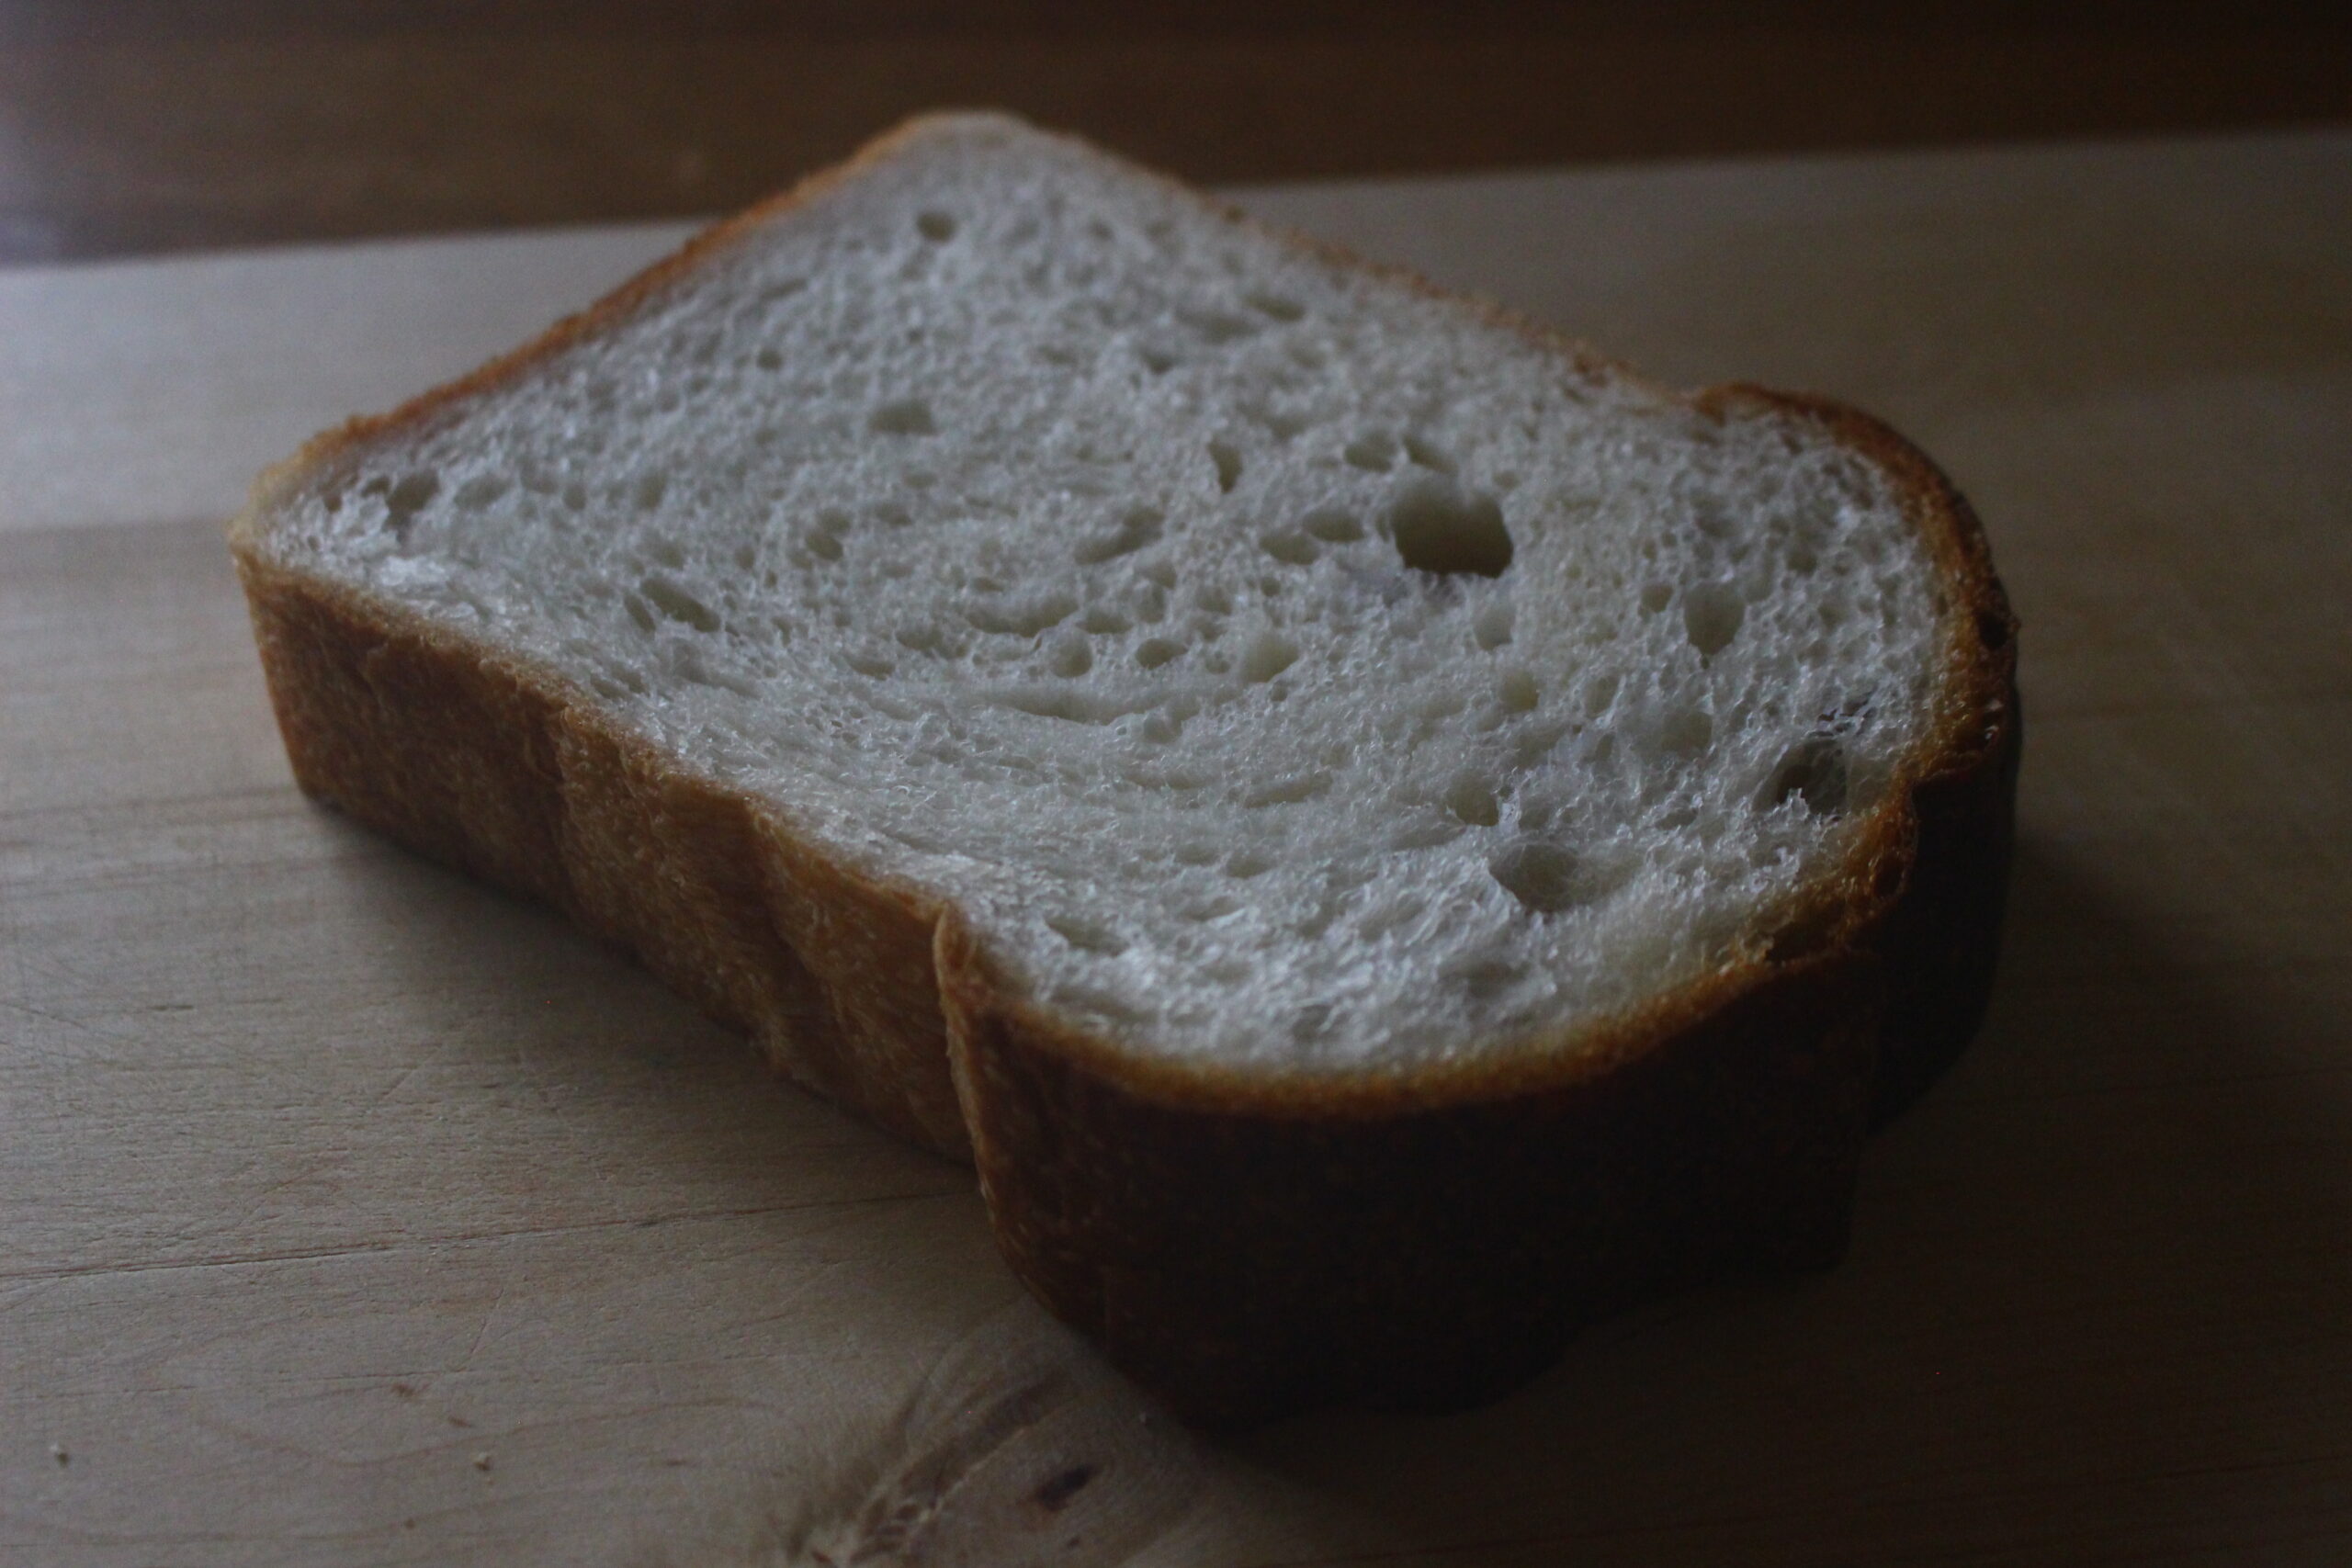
(1384, 834)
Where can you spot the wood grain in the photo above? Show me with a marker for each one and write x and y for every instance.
(350, 1213)
(128, 125)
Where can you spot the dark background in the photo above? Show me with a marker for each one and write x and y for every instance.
(135, 126)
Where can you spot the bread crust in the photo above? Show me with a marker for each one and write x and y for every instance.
(1244, 1244)
(1248, 1250)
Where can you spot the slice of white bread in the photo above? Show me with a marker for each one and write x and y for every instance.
(1386, 835)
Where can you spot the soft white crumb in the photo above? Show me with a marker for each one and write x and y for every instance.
(1276, 664)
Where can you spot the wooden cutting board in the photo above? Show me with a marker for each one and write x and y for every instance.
(350, 1213)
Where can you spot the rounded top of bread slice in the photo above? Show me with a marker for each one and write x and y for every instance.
(1278, 667)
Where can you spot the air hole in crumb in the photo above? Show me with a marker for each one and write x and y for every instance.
(1376, 451)
(1222, 326)
(1070, 705)
(1268, 656)
(1332, 526)
(1197, 854)
(1711, 614)
(768, 359)
(923, 638)
(1279, 306)
(1159, 361)
(1087, 935)
(906, 416)
(1429, 454)
(1246, 865)
(1540, 874)
(1483, 979)
(1685, 732)
(1140, 526)
(650, 489)
(1493, 626)
(677, 604)
(1425, 834)
(1288, 791)
(1292, 550)
(1813, 771)
(1054, 1493)
(411, 495)
(1022, 617)
(824, 546)
(1535, 741)
(869, 665)
(1655, 597)
(1227, 460)
(1104, 621)
(1437, 527)
(937, 227)
(480, 491)
(1516, 690)
(1215, 600)
(1472, 801)
(1281, 424)
(1155, 652)
(693, 667)
(1072, 657)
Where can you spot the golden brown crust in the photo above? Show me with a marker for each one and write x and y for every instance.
(1244, 1243)
(1250, 1249)
(1244, 1265)
(500, 769)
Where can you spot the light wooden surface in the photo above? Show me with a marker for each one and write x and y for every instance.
(352, 1213)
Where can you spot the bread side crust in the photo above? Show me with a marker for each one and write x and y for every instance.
(1243, 1243)
(506, 771)
(1433, 1238)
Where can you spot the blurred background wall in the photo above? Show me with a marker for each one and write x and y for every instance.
(139, 126)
